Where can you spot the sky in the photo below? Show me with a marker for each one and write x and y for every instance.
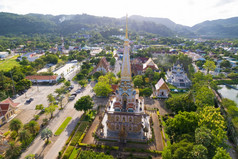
(185, 12)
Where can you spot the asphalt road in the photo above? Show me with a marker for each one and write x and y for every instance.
(38, 145)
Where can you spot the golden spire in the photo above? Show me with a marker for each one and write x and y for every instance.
(126, 66)
(126, 27)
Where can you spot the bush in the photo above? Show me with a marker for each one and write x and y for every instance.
(13, 135)
(68, 152)
(83, 144)
(36, 117)
(81, 138)
(6, 133)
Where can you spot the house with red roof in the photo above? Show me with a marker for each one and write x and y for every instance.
(7, 109)
(161, 89)
(42, 79)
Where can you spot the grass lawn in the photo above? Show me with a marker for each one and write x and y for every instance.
(7, 64)
(174, 94)
(74, 153)
(63, 126)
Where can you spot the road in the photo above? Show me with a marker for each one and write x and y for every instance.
(37, 146)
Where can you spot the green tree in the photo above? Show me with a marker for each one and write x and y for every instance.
(225, 63)
(146, 91)
(221, 154)
(181, 103)
(33, 127)
(204, 96)
(199, 152)
(67, 83)
(84, 103)
(203, 136)
(83, 82)
(149, 73)
(182, 123)
(24, 137)
(50, 98)
(39, 107)
(209, 66)
(112, 61)
(13, 151)
(46, 134)
(138, 81)
(211, 118)
(96, 75)
(102, 88)
(180, 150)
(50, 110)
(15, 125)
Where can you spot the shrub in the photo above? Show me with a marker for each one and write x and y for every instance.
(68, 152)
(83, 144)
(6, 133)
(13, 135)
(81, 138)
(36, 117)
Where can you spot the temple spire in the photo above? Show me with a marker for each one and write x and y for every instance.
(126, 66)
(126, 27)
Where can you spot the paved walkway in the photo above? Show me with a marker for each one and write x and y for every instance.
(157, 132)
(88, 139)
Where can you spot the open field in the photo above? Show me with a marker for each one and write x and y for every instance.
(7, 64)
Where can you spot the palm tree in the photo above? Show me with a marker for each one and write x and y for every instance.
(13, 151)
(33, 127)
(46, 134)
(24, 136)
(15, 125)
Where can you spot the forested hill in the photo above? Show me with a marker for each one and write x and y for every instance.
(222, 28)
(66, 24)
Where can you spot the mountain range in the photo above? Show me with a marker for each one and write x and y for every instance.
(14, 24)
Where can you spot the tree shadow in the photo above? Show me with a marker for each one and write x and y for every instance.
(70, 127)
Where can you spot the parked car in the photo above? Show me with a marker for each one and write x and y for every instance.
(78, 91)
(74, 94)
(71, 97)
(28, 101)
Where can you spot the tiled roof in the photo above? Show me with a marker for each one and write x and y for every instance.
(9, 101)
(160, 83)
(103, 63)
(39, 77)
(5, 104)
(148, 63)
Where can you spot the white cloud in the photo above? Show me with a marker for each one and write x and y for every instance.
(186, 12)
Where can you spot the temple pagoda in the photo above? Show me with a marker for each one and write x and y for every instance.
(125, 117)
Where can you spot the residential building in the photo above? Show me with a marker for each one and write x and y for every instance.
(3, 55)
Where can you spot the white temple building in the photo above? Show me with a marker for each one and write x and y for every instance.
(178, 77)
